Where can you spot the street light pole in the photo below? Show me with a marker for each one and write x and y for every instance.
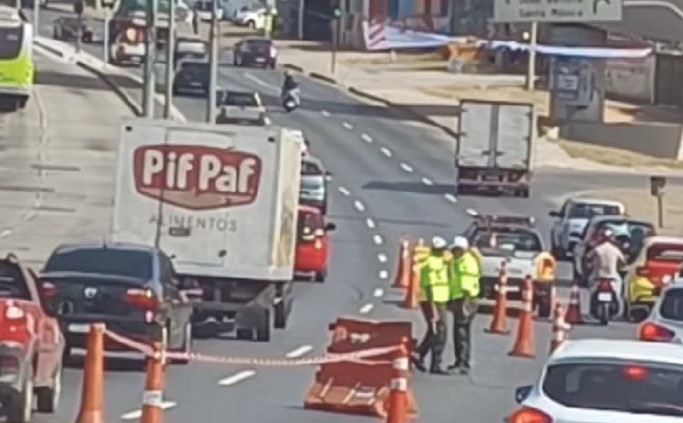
(213, 64)
(531, 65)
(170, 59)
(149, 88)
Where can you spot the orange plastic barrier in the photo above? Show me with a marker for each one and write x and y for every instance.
(92, 396)
(363, 387)
(573, 315)
(154, 388)
(524, 342)
(403, 272)
(499, 321)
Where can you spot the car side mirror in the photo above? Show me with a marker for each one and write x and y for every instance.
(522, 393)
(330, 227)
(554, 213)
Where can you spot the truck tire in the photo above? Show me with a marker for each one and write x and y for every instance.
(48, 397)
(321, 276)
(262, 329)
(281, 312)
(20, 407)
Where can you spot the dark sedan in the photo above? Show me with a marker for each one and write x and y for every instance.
(65, 28)
(192, 77)
(131, 288)
(255, 51)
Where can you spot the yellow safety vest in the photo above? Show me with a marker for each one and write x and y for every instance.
(435, 278)
(466, 274)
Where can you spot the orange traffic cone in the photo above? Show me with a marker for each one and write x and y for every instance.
(92, 397)
(152, 398)
(524, 344)
(560, 327)
(573, 315)
(398, 408)
(499, 321)
(410, 299)
(402, 279)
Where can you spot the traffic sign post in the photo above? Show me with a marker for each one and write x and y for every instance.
(657, 185)
(557, 10)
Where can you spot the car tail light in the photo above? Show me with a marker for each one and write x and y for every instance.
(13, 312)
(605, 285)
(272, 52)
(529, 415)
(642, 271)
(9, 364)
(651, 332)
(49, 290)
(143, 298)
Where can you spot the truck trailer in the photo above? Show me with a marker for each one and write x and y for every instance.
(222, 202)
(494, 148)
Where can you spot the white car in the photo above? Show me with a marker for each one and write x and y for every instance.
(572, 218)
(665, 323)
(203, 10)
(606, 381)
(253, 18)
(240, 107)
(128, 48)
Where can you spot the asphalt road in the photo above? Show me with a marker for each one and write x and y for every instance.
(392, 177)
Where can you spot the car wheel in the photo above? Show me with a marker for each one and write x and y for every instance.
(48, 397)
(20, 407)
(244, 334)
(87, 38)
(251, 24)
(320, 276)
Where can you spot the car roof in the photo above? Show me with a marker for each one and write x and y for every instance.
(600, 201)
(620, 349)
(309, 209)
(601, 218)
(121, 246)
(313, 160)
(257, 39)
(662, 239)
(508, 226)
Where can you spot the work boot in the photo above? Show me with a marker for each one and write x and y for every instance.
(418, 362)
(455, 366)
(438, 371)
(464, 369)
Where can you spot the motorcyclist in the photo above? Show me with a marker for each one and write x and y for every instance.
(289, 84)
(606, 261)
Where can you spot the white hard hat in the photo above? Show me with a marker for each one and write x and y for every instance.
(438, 242)
(460, 242)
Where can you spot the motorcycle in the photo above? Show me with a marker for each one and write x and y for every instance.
(291, 100)
(604, 300)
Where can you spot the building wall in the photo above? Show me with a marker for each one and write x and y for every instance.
(631, 79)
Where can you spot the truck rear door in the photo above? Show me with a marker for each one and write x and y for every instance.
(475, 135)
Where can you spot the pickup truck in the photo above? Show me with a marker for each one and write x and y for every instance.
(31, 345)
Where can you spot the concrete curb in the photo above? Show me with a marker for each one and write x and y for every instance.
(368, 96)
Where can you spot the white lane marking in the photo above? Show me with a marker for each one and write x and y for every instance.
(370, 223)
(471, 212)
(367, 308)
(344, 191)
(379, 292)
(367, 138)
(383, 274)
(137, 414)
(325, 113)
(382, 258)
(385, 151)
(451, 198)
(5, 233)
(237, 378)
(359, 205)
(406, 167)
(31, 215)
(377, 239)
(299, 352)
(267, 120)
(427, 181)
(261, 82)
(347, 125)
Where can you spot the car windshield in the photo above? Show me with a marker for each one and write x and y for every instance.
(135, 264)
(11, 39)
(258, 45)
(310, 168)
(238, 99)
(191, 47)
(198, 70)
(521, 239)
(643, 388)
(312, 183)
(308, 223)
(12, 283)
(672, 305)
(587, 210)
(672, 253)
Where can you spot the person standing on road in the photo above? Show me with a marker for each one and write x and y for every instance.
(464, 291)
(434, 280)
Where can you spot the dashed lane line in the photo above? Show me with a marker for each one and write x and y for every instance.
(450, 198)
(367, 308)
(385, 151)
(347, 125)
(359, 205)
(370, 223)
(382, 258)
(325, 113)
(344, 191)
(408, 168)
(383, 274)
(378, 292)
(137, 414)
(377, 239)
(367, 138)
(300, 351)
(237, 378)
(427, 181)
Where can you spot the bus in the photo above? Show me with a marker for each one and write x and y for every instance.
(17, 70)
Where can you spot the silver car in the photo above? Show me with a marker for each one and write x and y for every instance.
(240, 107)
(665, 322)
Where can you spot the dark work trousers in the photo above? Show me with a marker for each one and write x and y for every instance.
(434, 339)
(463, 311)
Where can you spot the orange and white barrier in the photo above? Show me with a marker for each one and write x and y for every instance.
(560, 329)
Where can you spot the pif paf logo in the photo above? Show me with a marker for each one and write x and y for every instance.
(197, 178)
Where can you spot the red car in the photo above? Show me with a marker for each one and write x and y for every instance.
(31, 345)
(313, 243)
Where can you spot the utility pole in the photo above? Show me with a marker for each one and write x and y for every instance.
(170, 59)
(17, 4)
(213, 64)
(149, 88)
(335, 39)
(78, 9)
(531, 65)
(105, 38)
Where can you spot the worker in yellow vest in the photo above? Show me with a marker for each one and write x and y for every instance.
(434, 282)
(464, 291)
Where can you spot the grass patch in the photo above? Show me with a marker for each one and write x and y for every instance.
(401, 58)
(614, 156)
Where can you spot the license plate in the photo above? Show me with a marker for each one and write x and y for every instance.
(512, 288)
(260, 59)
(196, 84)
(491, 177)
(79, 328)
(604, 296)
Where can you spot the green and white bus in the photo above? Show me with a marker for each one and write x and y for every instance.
(17, 70)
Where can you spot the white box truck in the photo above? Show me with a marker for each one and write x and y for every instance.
(494, 148)
(221, 201)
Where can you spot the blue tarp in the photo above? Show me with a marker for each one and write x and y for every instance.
(588, 52)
